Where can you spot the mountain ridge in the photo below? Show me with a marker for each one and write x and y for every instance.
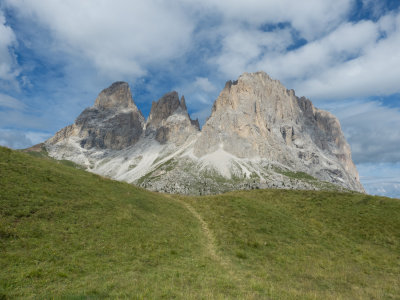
(259, 135)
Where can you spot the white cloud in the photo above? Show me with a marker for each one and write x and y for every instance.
(199, 97)
(371, 129)
(204, 84)
(315, 58)
(374, 72)
(358, 59)
(242, 47)
(119, 37)
(199, 90)
(311, 18)
(381, 179)
(10, 102)
(8, 66)
(122, 38)
(375, 7)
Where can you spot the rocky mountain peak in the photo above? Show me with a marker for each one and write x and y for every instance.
(183, 103)
(257, 116)
(241, 93)
(113, 122)
(116, 96)
(163, 108)
(169, 119)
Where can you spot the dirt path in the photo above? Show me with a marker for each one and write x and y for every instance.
(211, 248)
(210, 239)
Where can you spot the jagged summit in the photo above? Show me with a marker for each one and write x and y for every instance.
(183, 103)
(117, 96)
(258, 134)
(260, 84)
(113, 122)
(165, 107)
(169, 119)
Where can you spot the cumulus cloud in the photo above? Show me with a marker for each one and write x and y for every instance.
(311, 18)
(243, 47)
(119, 37)
(201, 93)
(316, 57)
(375, 71)
(8, 66)
(353, 59)
(204, 84)
(371, 129)
(123, 38)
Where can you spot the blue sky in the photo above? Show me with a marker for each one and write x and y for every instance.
(57, 55)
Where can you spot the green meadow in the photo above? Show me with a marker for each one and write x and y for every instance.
(69, 234)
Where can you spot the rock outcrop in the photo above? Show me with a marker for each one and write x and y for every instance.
(113, 122)
(257, 117)
(259, 135)
(169, 120)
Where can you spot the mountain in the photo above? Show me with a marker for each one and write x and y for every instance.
(70, 234)
(259, 135)
(169, 120)
(113, 122)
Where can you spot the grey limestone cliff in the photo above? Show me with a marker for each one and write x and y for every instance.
(113, 122)
(257, 117)
(169, 120)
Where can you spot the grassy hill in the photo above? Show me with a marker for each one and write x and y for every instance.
(69, 234)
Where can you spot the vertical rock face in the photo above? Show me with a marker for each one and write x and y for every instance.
(326, 133)
(113, 122)
(252, 117)
(162, 109)
(257, 117)
(170, 121)
(116, 96)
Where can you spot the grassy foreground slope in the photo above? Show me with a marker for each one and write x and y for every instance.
(69, 234)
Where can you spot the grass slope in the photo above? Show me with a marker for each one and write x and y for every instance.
(69, 234)
(308, 244)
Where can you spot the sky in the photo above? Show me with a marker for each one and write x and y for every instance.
(344, 55)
